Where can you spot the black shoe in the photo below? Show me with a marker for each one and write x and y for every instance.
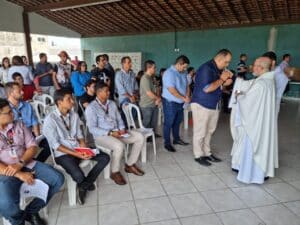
(235, 170)
(81, 195)
(180, 142)
(35, 219)
(170, 148)
(267, 178)
(92, 187)
(203, 161)
(213, 158)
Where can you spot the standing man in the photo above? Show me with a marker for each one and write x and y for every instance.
(176, 92)
(43, 75)
(255, 146)
(149, 99)
(101, 74)
(62, 72)
(210, 77)
(242, 67)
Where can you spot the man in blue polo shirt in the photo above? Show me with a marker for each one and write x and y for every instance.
(23, 111)
(210, 77)
(175, 94)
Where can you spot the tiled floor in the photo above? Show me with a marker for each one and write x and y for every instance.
(178, 191)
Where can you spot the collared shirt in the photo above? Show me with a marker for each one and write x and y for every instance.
(283, 65)
(42, 68)
(205, 75)
(22, 140)
(172, 78)
(103, 118)
(79, 81)
(125, 83)
(25, 113)
(145, 86)
(56, 131)
(281, 80)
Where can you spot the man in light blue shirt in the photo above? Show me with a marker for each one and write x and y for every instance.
(105, 123)
(175, 93)
(126, 85)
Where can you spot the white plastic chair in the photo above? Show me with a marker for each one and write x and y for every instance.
(71, 184)
(147, 132)
(39, 109)
(44, 98)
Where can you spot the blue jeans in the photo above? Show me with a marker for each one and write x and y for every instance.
(173, 115)
(10, 193)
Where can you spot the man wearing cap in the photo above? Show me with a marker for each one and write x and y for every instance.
(62, 72)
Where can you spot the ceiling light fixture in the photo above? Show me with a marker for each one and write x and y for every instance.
(84, 5)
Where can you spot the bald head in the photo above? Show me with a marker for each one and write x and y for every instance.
(261, 66)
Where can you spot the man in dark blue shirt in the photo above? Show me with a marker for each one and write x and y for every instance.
(242, 67)
(210, 77)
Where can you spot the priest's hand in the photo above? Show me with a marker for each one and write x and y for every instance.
(228, 82)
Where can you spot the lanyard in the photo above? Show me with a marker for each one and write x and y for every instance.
(68, 127)
(104, 109)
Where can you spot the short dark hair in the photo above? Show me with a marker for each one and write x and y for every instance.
(15, 75)
(42, 54)
(182, 60)
(100, 86)
(224, 52)
(17, 60)
(162, 70)
(148, 63)
(190, 69)
(3, 103)
(285, 56)
(271, 55)
(243, 55)
(106, 57)
(98, 58)
(9, 87)
(124, 59)
(90, 82)
(60, 94)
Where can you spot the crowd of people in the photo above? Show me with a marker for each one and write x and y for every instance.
(99, 95)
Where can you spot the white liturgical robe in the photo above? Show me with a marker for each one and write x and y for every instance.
(254, 128)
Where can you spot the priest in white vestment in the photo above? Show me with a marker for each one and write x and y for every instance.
(254, 125)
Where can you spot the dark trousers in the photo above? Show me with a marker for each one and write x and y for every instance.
(45, 153)
(71, 165)
(173, 116)
(150, 116)
(10, 193)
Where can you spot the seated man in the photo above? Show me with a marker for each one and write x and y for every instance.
(62, 130)
(89, 95)
(17, 150)
(28, 90)
(23, 111)
(105, 124)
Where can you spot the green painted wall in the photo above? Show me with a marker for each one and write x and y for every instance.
(200, 46)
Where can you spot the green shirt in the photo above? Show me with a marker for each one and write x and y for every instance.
(146, 84)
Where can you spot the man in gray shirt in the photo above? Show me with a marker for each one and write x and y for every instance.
(62, 130)
(149, 99)
(107, 127)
